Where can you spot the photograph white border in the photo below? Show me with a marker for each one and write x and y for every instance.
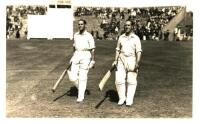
(191, 5)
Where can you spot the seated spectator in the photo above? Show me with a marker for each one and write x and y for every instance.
(17, 15)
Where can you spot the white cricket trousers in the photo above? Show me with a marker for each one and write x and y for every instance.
(79, 70)
(126, 83)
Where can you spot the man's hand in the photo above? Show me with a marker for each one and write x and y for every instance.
(114, 63)
(136, 67)
(92, 63)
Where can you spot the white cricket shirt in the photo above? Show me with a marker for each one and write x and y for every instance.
(130, 45)
(83, 41)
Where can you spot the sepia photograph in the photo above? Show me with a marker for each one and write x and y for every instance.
(76, 59)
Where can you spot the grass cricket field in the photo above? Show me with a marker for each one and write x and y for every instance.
(33, 66)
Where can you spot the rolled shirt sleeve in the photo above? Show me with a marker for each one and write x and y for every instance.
(138, 47)
(91, 41)
(118, 44)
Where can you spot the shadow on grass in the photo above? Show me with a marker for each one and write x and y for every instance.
(112, 95)
(73, 92)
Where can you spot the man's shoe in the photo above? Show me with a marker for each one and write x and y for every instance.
(121, 102)
(79, 100)
(128, 104)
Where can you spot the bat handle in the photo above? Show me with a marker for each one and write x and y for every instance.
(53, 90)
(113, 68)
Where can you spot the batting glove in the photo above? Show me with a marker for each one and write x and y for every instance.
(92, 63)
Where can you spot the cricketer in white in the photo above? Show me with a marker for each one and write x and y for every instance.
(127, 60)
(82, 60)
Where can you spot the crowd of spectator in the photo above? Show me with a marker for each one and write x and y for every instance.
(184, 30)
(148, 21)
(16, 19)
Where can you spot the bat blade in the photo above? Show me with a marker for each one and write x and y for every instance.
(106, 77)
(59, 80)
(104, 80)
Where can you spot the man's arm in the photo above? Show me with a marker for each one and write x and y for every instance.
(93, 54)
(118, 50)
(91, 43)
(138, 53)
(138, 59)
(92, 62)
(117, 55)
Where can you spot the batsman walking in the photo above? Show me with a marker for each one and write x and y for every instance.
(127, 61)
(82, 60)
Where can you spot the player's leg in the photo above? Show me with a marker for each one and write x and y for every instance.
(131, 88)
(83, 72)
(73, 73)
(120, 76)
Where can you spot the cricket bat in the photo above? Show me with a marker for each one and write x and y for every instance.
(60, 79)
(106, 77)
